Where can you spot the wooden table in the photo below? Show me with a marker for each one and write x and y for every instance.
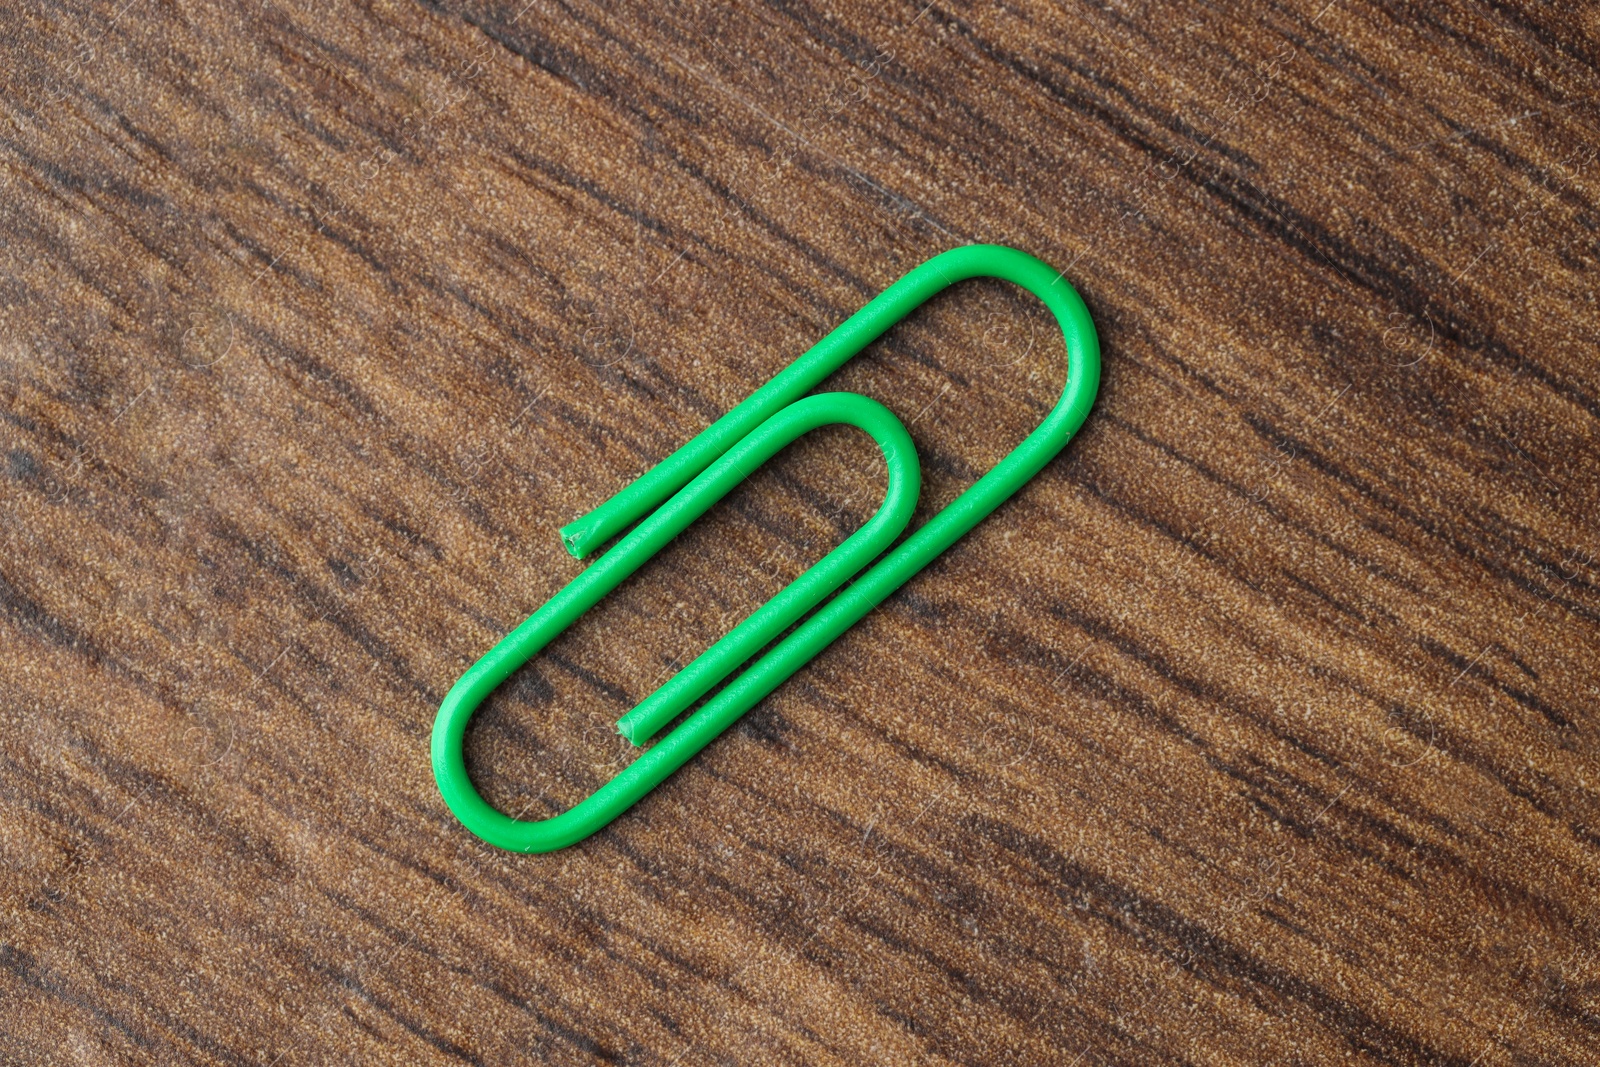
(1261, 728)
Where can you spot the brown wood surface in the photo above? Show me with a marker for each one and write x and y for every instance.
(1261, 728)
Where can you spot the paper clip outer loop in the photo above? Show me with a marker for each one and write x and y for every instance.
(736, 647)
(727, 436)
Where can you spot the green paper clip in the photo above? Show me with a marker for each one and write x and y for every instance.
(684, 485)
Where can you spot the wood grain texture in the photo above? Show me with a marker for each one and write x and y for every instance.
(1261, 728)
